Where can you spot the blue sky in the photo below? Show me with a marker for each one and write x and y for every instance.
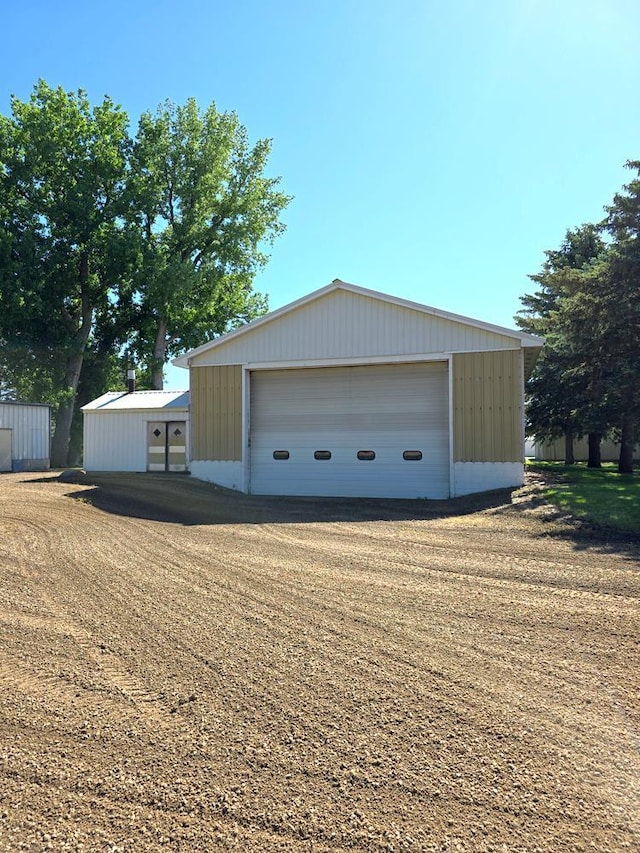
(434, 150)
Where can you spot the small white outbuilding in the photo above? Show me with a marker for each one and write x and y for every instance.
(137, 431)
(25, 436)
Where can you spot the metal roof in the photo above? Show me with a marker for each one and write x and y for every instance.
(524, 339)
(23, 403)
(120, 401)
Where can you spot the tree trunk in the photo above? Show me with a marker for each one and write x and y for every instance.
(594, 450)
(625, 462)
(159, 355)
(64, 414)
(569, 458)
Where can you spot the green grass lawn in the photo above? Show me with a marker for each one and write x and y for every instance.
(600, 496)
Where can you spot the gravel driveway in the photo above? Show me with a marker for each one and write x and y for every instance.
(183, 668)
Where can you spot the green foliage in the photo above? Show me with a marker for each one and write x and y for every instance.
(62, 177)
(206, 212)
(601, 497)
(561, 395)
(618, 296)
(113, 248)
(30, 373)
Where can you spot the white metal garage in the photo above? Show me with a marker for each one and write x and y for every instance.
(373, 431)
(351, 392)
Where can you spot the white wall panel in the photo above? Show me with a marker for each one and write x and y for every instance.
(230, 475)
(343, 324)
(471, 477)
(555, 451)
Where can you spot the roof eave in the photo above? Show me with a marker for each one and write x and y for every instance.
(531, 340)
(185, 360)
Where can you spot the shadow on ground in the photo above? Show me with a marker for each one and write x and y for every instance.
(560, 524)
(179, 499)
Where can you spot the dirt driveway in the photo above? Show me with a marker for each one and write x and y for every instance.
(183, 668)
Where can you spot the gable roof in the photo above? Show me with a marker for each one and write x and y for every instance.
(120, 401)
(522, 338)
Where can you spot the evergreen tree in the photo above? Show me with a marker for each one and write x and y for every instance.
(561, 400)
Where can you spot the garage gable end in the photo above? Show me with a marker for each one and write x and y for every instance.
(347, 322)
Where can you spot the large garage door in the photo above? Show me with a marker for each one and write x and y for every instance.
(374, 431)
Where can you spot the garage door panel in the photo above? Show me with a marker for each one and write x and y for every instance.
(365, 422)
(386, 409)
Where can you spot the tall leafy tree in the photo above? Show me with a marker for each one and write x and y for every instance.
(207, 213)
(110, 249)
(562, 396)
(63, 169)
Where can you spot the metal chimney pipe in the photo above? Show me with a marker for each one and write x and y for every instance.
(131, 381)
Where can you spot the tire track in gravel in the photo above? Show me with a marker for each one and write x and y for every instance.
(14, 673)
(267, 623)
(556, 724)
(515, 591)
(148, 704)
(315, 598)
(351, 654)
(222, 824)
(360, 543)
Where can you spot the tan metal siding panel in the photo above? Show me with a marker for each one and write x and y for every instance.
(215, 407)
(195, 405)
(347, 325)
(487, 407)
(216, 412)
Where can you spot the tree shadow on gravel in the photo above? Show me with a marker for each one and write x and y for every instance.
(555, 523)
(178, 499)
(588, 537)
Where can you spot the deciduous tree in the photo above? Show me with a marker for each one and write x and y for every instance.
(110, 247)
(63, 166)
(207, 213)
